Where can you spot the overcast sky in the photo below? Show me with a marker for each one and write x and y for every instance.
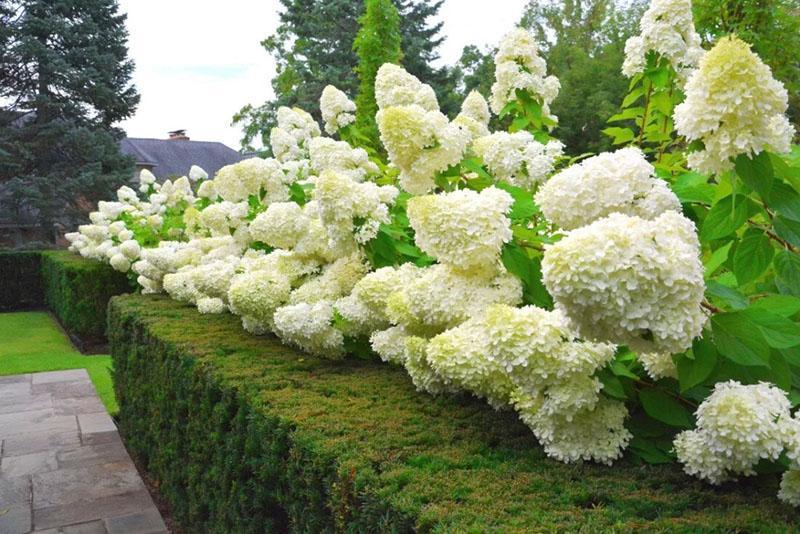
(198, 61)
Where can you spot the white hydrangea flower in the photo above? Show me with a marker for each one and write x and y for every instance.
(390, 344)
(518, 159)
(235, 183)
(337, 109)
(310, 327)
(328, 155)
(519, 66)
(421, 143)
(658, 365)
(394, 86)
(120, 263)
(342, 202)
(297, 123)
(256, 295)
(146, 178)
(734, 106)
(465, 229)
(211, 306)
(474, 115)
(667, 27)
(282, 225)
(441, 297)
(424, 377)
(596, 435)
(223, 217)
(196, 173)
(737, 426)
(336, 280)
(130, 249)
(630, 281)
(612, 182)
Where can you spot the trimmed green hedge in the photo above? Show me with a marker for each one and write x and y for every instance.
(246, 435)
(77, 291)
(20, 281)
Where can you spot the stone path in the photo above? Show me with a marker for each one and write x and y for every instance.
(63, 467)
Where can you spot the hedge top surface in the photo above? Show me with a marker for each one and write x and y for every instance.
(451, 463)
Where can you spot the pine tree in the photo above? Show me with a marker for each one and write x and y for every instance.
(313, 47)
(377, 42)
(64, 83)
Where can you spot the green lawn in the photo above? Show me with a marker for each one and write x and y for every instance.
(31, 342)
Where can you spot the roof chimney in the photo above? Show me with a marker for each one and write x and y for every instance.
(178, 135)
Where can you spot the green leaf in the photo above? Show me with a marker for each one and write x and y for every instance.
(620, 135)
(757, 172)
(659, 76)
(785, 201)
(778, 331)
(739, 339)
(633, 96)
(788, 229)
(517, 262)
(693, 372)
(693, 187)
(626, 114)
(730, 296)
(787, 271)
(612, 386)
(783, 305)
(753, 255)
(648, 451)
(524, 207)
(665, 408)
(718, 257)
(727, 216)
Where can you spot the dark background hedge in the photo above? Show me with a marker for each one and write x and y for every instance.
(246, 435)
(75, 289)
(20, 281)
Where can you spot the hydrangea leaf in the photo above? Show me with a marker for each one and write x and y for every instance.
(739, 339)
(665, 408)
(784, 305)
(779, 332)
(756, 172)
(787, 270)
(692, 372)
(788, 229)
(753, 255)
(725, 217)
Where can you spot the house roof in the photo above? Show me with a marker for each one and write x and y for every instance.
(170, 157)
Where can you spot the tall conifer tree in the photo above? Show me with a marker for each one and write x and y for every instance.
(65, 80)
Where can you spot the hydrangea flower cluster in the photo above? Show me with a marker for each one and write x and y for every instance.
(734, 106)
(337, 109)
(419, 139)
(517, 159)
(667, 27)
(641, 286)
(738, 426)
(519, 66)
(612, 182)
(528, 357)
(464, 228)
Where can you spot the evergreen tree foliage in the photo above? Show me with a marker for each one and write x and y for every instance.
(377, 42)
(313, 47)
(64, 83)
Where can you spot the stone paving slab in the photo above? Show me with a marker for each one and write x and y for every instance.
(63, 467)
